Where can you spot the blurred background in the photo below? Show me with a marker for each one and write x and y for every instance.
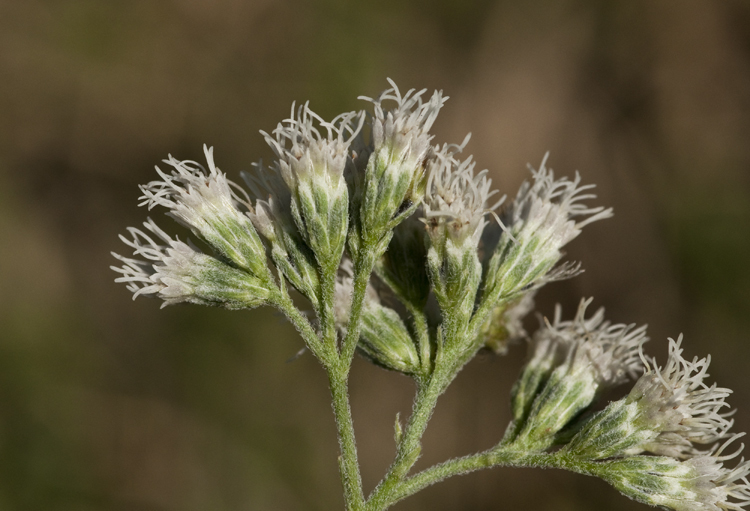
(110, 404)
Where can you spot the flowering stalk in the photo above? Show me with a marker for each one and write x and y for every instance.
(453, 273)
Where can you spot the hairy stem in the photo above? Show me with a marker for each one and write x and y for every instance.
(348, 464)
(362, 269)
(327, 316)
(497, 457)
(337, 371)
(284, 303)
(410, 446)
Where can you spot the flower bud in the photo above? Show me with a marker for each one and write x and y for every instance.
(456, 202)
(404, 265)
(505, 324)
(384, 339)
(273, 219)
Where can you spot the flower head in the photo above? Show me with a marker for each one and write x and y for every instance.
(678, 406)
(312, 155)
(393, 181)
(308, 147)
(549, 208)
(457, 200)
(177, 272)
(272, 217)
(209, 204)
(701, 483)
(571, 363)
(610, 353)
(403, 131)
(544, 217)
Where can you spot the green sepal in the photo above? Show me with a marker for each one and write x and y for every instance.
(218, 284)
(610, 432)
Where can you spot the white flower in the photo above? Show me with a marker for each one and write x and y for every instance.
(312, 155)
(310, 152)
(404, 130)
(456, 200)
(391, 184)
(715, 486)
(544, 217)
(675, 402)
(208, 203)
(177, 272)
(610, 353)
(547, 208)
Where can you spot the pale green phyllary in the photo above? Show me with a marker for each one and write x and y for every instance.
(406, 253)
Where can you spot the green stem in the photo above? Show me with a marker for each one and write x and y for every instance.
(410, 446)
(348, 464)
(284, 303)
(497, 457)
(337, 377)
(327, 318)
(362, 269)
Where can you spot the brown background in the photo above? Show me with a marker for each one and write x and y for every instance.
(109, 404)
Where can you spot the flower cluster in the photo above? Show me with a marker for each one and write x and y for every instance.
(456, 269)
(207, 203)
(668, 413)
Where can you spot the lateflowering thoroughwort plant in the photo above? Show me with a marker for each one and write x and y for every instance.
(365, 207)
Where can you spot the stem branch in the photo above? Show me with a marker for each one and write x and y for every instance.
(496, 457)
(410, 446)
